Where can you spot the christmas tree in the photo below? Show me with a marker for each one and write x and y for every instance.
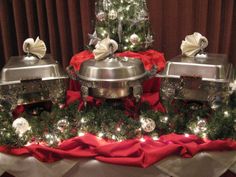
(125, 21)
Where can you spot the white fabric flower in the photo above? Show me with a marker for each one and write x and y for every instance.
(21, 126)
(102, 49)
(36, 47)
(193, 44)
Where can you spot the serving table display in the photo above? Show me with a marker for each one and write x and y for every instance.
(114, 114)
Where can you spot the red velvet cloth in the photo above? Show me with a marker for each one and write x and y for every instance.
(130, 152)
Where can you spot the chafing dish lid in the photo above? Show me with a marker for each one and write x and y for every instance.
(20, 68)
(112, 69)
(210, 67)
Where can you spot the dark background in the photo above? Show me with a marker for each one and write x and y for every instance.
(64, 25)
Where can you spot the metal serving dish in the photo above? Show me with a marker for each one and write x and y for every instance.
(111, 78)
(27, 80)
(205, 77)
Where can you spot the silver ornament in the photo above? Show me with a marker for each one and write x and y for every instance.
(112, 15)
(134, 39)
(21, 126)
(101, 16)
(143, 15)
(51, 139)
(202, 125)
(93, 38)
(147, 124)
(62, 125)
(148, 40)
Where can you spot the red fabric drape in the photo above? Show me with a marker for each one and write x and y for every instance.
(64, 25)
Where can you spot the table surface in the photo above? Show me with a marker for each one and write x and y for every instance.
(204, 164)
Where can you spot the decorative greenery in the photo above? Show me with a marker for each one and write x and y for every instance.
(111, 121)
(125, 21)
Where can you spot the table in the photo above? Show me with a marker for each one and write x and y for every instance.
(204, 164)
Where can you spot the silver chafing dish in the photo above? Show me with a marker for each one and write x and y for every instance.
(204, 77)
(27, 80)
(111, 78)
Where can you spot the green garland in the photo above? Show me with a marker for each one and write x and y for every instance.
(107, 121)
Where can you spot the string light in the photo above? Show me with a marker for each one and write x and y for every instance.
(128, 8)
(226, 114)
(186, 135)
(113, 137)
(82, 120)
(155, 137)
(142, 139)
(80, 134)
(100, 134)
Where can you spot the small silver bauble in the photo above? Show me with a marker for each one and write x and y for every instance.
(62, 124)
(51, 139)
(112, 15)
(147, 124)
(143, 15)
(101, 16)
(134, 39)
(21, 125)
(202, 125)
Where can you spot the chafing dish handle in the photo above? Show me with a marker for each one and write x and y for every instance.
(152, 72)
(71, 72)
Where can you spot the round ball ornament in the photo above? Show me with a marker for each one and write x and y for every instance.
(202, 125)
(51, 139)
(62, 124)
(134, 39)
(112, 15)
(147, 124)
(101, 16)
(21, 125)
